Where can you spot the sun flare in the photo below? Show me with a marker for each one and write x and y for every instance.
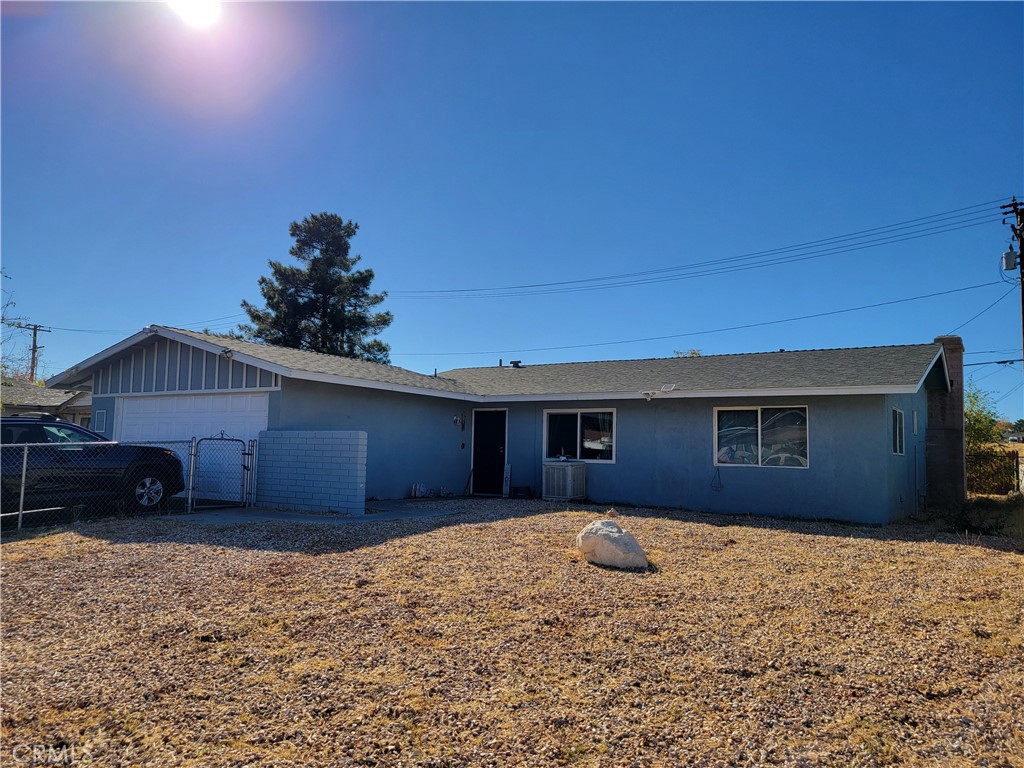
(197, 13)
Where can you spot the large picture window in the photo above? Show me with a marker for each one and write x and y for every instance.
(587, 435)
(761, 437)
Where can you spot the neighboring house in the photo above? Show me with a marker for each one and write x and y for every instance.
(19, 396)
(865, 435)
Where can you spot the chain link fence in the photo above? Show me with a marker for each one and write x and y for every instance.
(61, 481)
(993, 472)
(221, 472)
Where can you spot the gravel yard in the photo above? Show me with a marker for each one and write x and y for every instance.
(483, 639)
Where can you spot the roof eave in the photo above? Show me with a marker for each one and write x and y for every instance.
(304, 375)
(888, 389)
(77, 376)
(350, 381)
(940, 355)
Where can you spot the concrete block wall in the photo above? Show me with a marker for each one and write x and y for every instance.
(316, 471)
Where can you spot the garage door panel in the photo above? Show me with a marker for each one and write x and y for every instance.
(180, 417)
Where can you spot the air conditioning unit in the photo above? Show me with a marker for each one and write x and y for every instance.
(565, 480)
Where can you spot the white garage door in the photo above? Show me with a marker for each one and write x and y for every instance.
(180, 417)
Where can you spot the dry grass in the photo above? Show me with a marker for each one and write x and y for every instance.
(483, 639)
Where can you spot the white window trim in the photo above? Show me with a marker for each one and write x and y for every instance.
(579, 437)
(758, 408)
(901, 443)
(100, 420)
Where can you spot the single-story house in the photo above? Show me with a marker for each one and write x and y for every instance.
(867, 435)
(18, 396)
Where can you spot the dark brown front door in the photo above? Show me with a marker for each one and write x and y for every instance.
(488, 452)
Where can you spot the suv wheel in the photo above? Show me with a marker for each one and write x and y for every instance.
(146, 492)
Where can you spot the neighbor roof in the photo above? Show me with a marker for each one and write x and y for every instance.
(866, 370)
(25, 394)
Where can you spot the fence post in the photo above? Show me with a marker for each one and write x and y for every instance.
(21, 496)
(250, 494)
(191, 475)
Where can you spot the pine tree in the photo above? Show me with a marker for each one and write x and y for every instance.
(323, 304)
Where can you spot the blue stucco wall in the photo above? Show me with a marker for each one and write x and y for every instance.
(410, 438)
(665, 457)
(106, 404)
(907, 478)
(664, 450)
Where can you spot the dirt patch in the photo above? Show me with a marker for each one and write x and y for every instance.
(484, 639)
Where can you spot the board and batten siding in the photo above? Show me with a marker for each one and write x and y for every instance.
(166, 366)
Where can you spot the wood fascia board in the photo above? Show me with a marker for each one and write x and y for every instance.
(941, 354)
(710, 394)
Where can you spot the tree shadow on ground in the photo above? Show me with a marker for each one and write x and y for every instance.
(315, 535)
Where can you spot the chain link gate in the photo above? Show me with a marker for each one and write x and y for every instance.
(64, 481)
(221, 472)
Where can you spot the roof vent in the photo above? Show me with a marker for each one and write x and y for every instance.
(516, 363)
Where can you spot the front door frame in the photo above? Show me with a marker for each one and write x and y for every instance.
(472, 452)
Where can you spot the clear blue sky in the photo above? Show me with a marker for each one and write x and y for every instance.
(150, 170)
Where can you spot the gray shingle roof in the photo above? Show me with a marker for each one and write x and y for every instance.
(329, 365)
(875, 367)
(25, 394)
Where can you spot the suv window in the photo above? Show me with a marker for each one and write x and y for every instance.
(16, 432)
(21, 433)
(64, 433)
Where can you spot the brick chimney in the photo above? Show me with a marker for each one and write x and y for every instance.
(944, 438)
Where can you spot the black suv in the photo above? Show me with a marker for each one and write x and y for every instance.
(67, 465)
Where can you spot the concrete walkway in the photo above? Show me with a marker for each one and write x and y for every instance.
(376, 512)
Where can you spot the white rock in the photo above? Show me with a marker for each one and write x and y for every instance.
(604, 543)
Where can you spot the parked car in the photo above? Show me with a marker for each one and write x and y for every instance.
(67, 465)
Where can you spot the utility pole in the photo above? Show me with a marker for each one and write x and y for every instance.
(1012, 260)
(36, 329)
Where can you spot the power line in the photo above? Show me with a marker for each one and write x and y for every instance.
(710, 271)
(701, 333)
(812, 249)
(995, 362)
(134, 330)
(1010, 392)
(726, 265)
(986, 309)
(801, 246)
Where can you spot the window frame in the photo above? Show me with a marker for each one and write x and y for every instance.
(899, 436)
(579, 435)
(100, 420)
(758, 409)
(68, 433)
